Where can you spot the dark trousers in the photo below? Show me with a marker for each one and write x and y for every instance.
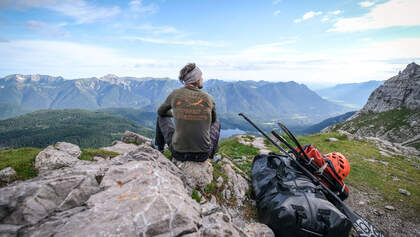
(164, 131)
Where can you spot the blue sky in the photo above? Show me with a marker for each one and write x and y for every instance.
(276, 40)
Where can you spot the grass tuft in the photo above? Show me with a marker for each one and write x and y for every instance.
(195, 196)
(88, 154)
(22, 160)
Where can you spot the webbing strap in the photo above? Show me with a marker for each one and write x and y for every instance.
(344, 186)
(310, 160)
(320, 171)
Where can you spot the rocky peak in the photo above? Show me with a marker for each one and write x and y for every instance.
(19, 78)
(109, 77)
(400, 91)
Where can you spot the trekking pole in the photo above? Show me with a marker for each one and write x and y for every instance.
(362, 227)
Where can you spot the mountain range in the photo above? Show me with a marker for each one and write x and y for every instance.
(290, 102)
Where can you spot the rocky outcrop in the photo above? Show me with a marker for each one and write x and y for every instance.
(392, 112)
(120, 147)
(197, 174)
(236, 185)
(138, 193)
(401, 91)
(131, 137)
(69, 148)
(58, 156)
(7, 175)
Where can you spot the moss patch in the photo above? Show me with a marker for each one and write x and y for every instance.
(88, 154)
(195, 196)
(168, 154)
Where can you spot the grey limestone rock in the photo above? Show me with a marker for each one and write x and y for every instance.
(143, 200)
(332, 139)
(139, 193)
(7, 175)
(258, 230)
(120, 147)
(401, 91)
(9, 230)
(52, 158)
(236, 183)
(31, 201)
(404, 192)
(390, 208)
(131, 137)
(197, 174)
(69, 148)
(219, 224)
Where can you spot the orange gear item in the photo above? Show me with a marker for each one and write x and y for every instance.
(328, 169)
(340, 163)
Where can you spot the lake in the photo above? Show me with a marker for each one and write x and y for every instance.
(226, 133)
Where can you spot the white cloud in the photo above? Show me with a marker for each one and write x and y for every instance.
(307, 16)
(336, 12)
(276, 13)
(278, 61)
(184, 42)
(137, 6)
(275, 2)
(158, 30)
(325, 18)
(80, 10)
(366, 4)
(51, 29)
(281, 62)
(75, 60)
(391, 13)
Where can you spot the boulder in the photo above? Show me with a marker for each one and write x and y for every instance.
(69, 148)
(332, 139)
(219, 224)
(197, 174)
(9, 230)
(51, 158)
(236, 183)
(390, 208)
(131, 137)
(7, 175)
(404, 192)
(258, 230)
(120, 147)
(33, 200)
(141, 200)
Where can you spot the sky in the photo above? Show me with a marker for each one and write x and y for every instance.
(314, 42)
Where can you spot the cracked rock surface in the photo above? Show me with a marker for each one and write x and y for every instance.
(138, 193)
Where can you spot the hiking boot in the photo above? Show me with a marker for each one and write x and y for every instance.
(159, 148)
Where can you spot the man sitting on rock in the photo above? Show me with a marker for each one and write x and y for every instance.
(196, 133)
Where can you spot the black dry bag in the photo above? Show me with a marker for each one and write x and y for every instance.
(290, 203)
